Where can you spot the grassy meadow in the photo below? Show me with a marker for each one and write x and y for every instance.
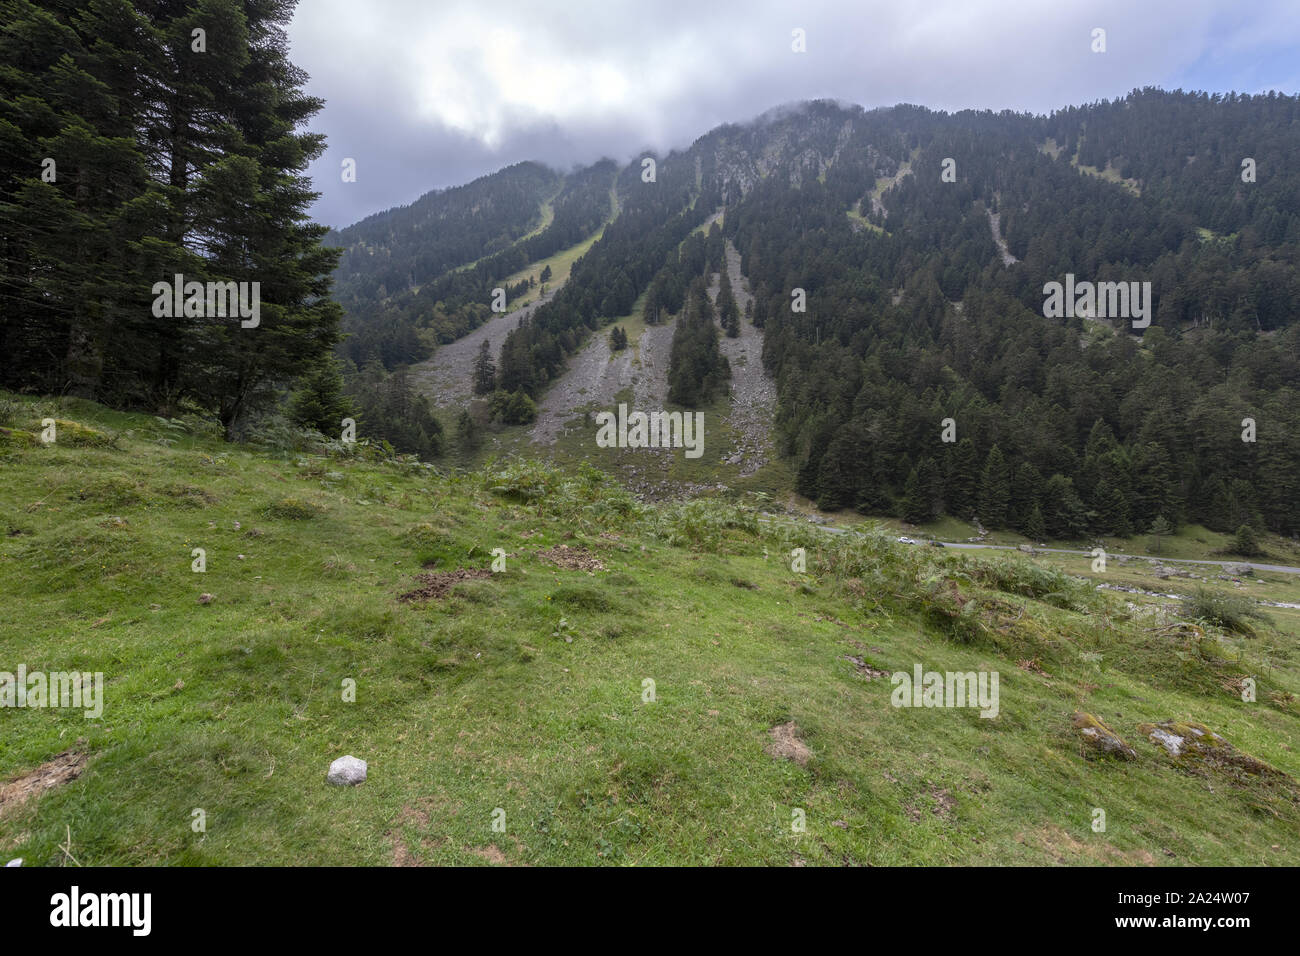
(640, 684)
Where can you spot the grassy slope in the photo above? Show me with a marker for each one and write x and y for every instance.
(561, 263)
(1110, 173)
(471, 703)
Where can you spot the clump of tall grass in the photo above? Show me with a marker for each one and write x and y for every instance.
(1026, 579)
(1224, 610)
(588, 499)
(703, 524)
(293, 509)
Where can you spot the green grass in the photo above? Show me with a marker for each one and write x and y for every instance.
(561, 263)
(477, 702)
(855, 215)
(1110, 174)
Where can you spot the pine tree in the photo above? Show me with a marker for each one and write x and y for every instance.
(73, 271)
(914, 506)
(1246, 543)
(467, 431)
(931, 486)
(1035, 527)
(170, 159)
(697, 370)
(1111, 511)
(1063, 512)
(1026, 490)
(485, 370)
(995, 490)
(962, 483)
(728, 311)
(653, 302)
(839, 475)
(319, 401)
(1160, 528)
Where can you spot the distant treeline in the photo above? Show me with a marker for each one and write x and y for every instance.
(1061, 428)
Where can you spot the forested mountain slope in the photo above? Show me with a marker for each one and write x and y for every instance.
(406, 280)
(868, 239)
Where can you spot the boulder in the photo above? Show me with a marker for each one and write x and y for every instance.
(347, 772)
(1102, 740)
(1194, 745)
(1239, 570)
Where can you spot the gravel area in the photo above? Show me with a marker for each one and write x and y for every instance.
(447, 376)
(753, 393)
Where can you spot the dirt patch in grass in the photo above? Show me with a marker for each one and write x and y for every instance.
(402, 855)
(943, 802)
(435, 585)
(571, 559)
(863, 668)
(490, 853)
(1065, 849)
(59, 770)
(786, 744)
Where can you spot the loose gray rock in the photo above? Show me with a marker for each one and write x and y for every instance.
(1240, 570)
(1101, 738)
(347, 772)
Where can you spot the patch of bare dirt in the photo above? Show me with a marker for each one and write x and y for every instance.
(571, 559)
(435, 585)
(418, 817)
(1063, 848)
(490, 853)
(595, 375)
(994, 224)
(863, 668)
(60, 770)
(787, 745)
(943, 802)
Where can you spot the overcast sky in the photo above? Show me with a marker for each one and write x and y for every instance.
(426, 94)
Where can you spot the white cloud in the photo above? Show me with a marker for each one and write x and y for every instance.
(426, 94)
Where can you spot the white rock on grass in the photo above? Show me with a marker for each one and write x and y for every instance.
(347, 772)
(17, 862)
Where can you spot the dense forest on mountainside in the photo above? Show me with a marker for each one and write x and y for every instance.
(653, 220)
(393, 251)
(142, 142)
(1098, 431)
(914, 314)
(698, 371)
(398, 324)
